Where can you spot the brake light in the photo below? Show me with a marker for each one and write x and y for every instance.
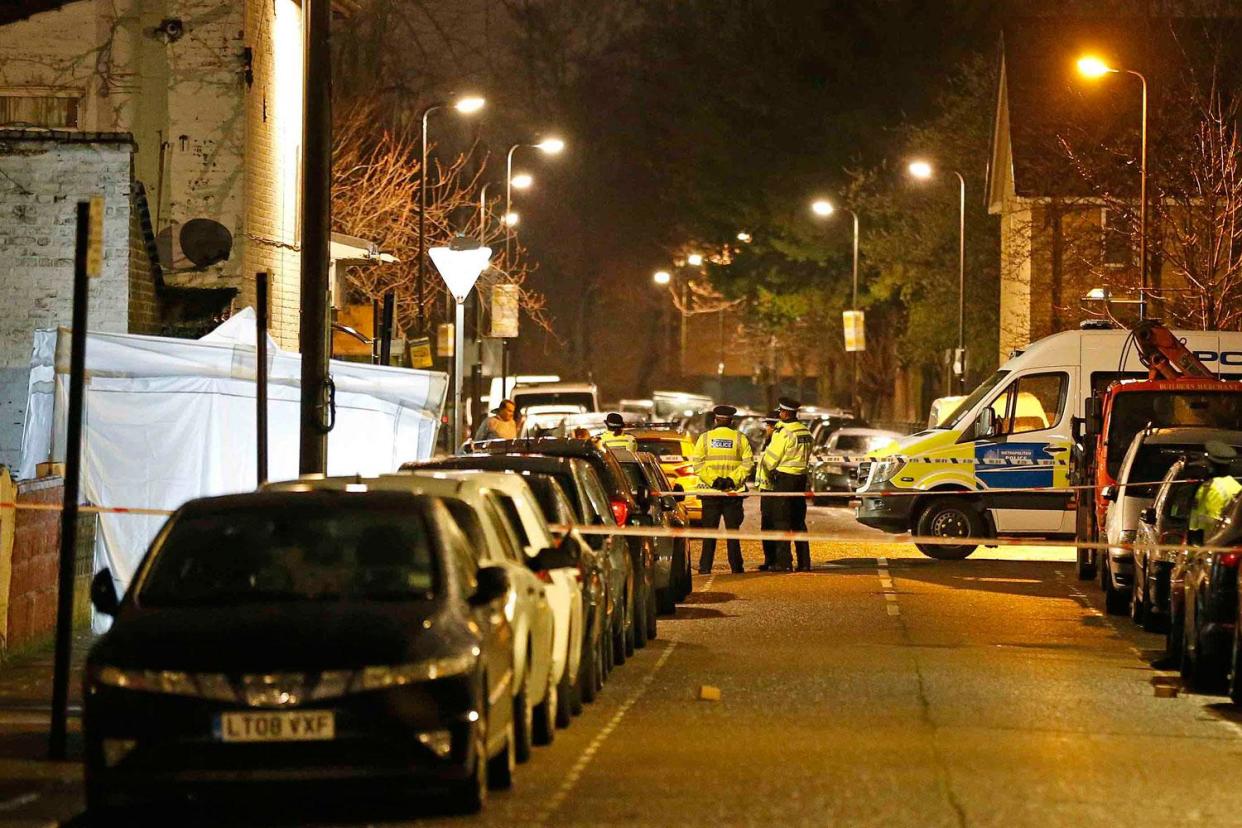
(544, 575)
(683, 471)
(1229, 560)
(621, 511)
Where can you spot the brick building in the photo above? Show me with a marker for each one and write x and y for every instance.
(179, 111)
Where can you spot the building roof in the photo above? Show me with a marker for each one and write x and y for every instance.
(1043, 104)
(64, 136)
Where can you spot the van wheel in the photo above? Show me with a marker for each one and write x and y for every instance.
(949, 517)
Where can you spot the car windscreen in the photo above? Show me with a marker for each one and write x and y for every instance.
(292, 554)
(1152, 463)
(855, 443)
(959, 414)
(582, 400)
(663, 449)
(1137, 410)
(544, 489)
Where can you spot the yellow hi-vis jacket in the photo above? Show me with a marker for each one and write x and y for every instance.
(789, 450)
(722, 452)
(1210, 502)
(609, 440)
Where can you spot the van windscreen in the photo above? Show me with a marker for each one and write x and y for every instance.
(1136, 410)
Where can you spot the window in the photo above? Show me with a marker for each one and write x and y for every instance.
(510, 510)
(1030, 403)
(468, 521)
(43, 110)
(504, 532)
(599, 500)
(1117, 232)
(508, 523)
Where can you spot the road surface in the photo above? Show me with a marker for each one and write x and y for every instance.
(883, 688)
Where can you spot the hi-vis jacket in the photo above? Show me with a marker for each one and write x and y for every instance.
(722, 452)
(1210, 502)
(789, 450)
(609, 440)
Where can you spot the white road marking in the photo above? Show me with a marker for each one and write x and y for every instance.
(18, 801)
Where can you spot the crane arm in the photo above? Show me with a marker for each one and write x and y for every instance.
(1166, 356)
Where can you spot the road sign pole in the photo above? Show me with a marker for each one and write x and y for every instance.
(73, 463)
(459, 327)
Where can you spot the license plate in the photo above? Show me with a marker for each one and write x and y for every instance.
(283, 726)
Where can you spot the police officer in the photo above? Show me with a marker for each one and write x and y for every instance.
(613, 438)
(722, 459)
(785, 463)
(764, 484)
(1218, 491)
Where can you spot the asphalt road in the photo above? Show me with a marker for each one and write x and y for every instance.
(883, 688)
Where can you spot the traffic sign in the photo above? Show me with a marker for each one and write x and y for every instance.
(855, 330)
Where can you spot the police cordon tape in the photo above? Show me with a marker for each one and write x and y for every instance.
(98, 510)
(855, 495)
(887, 540)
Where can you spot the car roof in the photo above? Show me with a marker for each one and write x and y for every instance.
(868, 432)
(1189, 434)
(641, 433)
(275, 498)
(551, 386)
(516, 462)
(551, 446)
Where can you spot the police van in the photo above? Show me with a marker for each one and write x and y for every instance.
(1015, 431)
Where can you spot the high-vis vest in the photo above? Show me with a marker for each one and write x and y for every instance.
(722, 452)
(618, 441)
(763, 480)
(789, 451)
(1210, 502)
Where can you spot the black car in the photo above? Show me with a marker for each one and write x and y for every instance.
(1209, 609)
(624, 507)
(290, 637)
(586, 493)
(1164, 523)
(672, 576)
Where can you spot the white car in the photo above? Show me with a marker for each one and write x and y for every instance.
(475, 509)
(1149, 457)
(531, 535)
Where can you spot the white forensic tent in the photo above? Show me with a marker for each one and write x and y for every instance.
(167, 420)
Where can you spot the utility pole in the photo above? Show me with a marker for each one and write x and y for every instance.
(316, 234)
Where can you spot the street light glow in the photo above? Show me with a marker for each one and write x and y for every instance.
(469, 105)
(661, 277)
(550, 146)
(822, 207)
(743, 236)
(511, 219)
(1090, 66)
(920, 169)
(694, 259)
(522, 181)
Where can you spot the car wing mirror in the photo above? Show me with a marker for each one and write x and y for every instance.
(985, 426)
(1148, 515)
(1194, 537)
(669, 503)
(493, 583)
(103, 593)
(561, 556)
(1109, 493)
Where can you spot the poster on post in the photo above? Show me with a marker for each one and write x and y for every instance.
(504, 311)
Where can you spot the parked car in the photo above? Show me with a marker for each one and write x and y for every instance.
(672, 570)
(1162, 524)
(836, 456)
(640, 602)
(1151, 453)
(312, 636)
(529, 607)
(673, 450)
(582, 485)
(1210, 606)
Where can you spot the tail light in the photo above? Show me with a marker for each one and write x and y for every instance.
(620, 511)
(1229, 560)
(544, 575)
(683, 471)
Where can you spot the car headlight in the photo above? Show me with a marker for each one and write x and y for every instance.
(172, 682)
(886, 469)
(377, 678)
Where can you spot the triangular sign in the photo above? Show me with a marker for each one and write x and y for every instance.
(460, 269)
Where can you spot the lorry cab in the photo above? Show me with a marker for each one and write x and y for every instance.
(1000, 463)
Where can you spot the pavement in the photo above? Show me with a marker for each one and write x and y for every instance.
(883, 688)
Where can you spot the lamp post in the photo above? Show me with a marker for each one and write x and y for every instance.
(1090, 66)
(466, 106)
(824, 208)
(923, 170)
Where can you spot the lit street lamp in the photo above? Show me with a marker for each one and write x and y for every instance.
(548, 146)
(467, 105)
(744, 237)
(511, 219)
(695, 260)
(824, 208)
(661, 277)
(523, 181)
(923, 170)
(1090, 66)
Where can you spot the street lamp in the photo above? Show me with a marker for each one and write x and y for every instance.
(511, 219)
(924, 171)
(661, 277)
(548, 146)
(744, 237)
(523, 181)
(1093, 67)
(824, 208)
(467, 105)
(695, 260)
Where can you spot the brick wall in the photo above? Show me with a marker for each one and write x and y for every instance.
(144, 301)
(41, 182)
(273, 146)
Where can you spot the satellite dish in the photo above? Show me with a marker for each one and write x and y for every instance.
(205, 241)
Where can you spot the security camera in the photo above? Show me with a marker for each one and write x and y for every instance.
(171, 29)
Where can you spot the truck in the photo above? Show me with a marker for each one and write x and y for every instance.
(1002, 463)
